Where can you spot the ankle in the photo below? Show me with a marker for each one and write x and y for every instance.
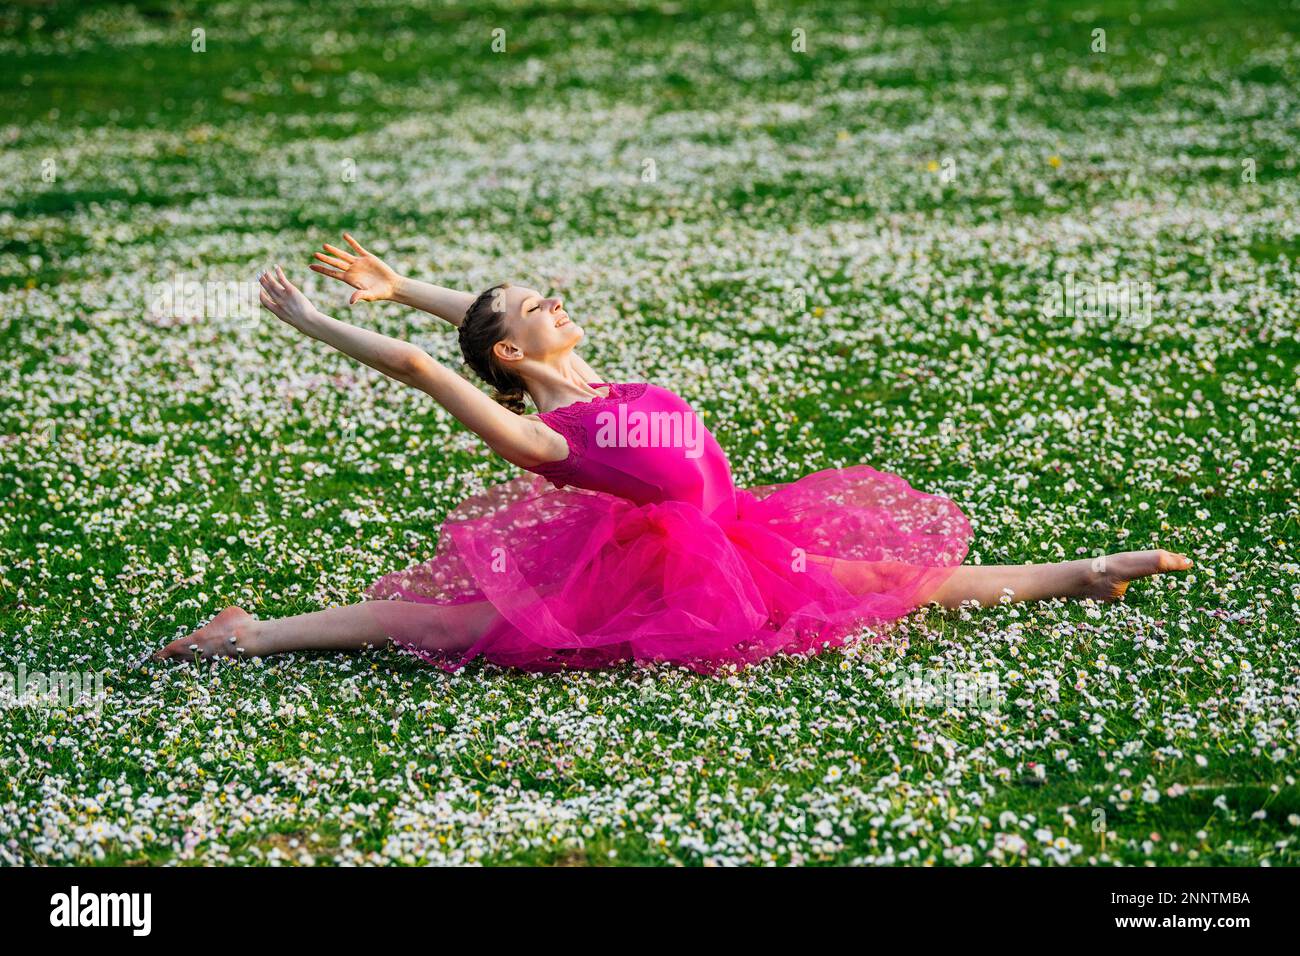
(1090, 574)
(250, 638)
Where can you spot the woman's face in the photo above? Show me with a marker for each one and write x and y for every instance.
(537, 326)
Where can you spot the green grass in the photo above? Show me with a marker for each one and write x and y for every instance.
(155, 468)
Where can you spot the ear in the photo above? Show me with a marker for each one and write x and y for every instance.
(507, 351)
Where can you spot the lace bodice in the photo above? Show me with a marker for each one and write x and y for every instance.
(643, 443)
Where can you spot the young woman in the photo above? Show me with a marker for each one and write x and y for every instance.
(628, 541)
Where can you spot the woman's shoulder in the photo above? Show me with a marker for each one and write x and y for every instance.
(554, 444)
(569, 422)
(615, 392)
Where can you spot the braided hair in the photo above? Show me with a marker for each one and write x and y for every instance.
(483, 327)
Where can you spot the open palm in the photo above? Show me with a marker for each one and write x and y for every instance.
(364, 271)
(281, 297)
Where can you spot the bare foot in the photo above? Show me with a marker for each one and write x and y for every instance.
(226, 636)
(1109, 576)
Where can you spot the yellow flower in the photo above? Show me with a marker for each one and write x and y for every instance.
(1054, 162)
(932, 166)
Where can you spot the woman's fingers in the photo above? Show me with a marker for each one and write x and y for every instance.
(331, 261)
(323, 270)
(362, 295)
(354, 244)
(269, 284)
(275, 308)
(335, 250)
(284, 280)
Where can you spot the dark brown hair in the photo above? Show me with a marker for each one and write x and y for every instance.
(484, 326)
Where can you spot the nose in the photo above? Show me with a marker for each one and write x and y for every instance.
(557, 304)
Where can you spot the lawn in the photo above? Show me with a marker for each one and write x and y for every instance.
(837, 229)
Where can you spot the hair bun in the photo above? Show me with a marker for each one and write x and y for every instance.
(512, 399)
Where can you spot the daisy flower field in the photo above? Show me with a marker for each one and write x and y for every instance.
(1042, 261)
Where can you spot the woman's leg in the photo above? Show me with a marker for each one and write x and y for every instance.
(1102, 579)
(433, 627)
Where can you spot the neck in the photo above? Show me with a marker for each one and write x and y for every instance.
(557, 383)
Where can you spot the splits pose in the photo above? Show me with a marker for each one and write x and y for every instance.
(627, 539)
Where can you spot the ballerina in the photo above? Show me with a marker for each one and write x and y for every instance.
(627, 540)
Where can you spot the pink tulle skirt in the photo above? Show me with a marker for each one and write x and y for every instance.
(530, 576)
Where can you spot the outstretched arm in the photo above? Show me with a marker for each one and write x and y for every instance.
(522, 441)
(375, 281)
(445, 303)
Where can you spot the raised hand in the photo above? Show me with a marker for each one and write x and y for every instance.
(364, 271)
(282, 297)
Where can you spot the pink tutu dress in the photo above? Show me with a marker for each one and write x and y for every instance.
(638, 547)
